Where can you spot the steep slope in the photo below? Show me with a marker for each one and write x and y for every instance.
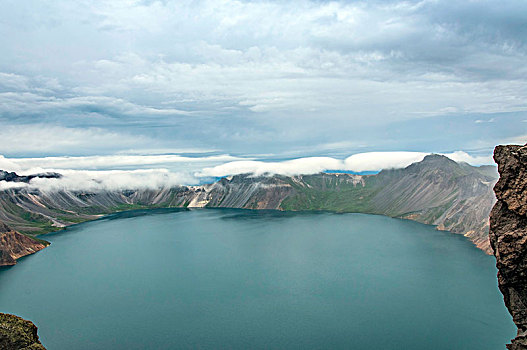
(437, 191)
(14, 245)
(508, 235)
(37, 212)
(17, 333)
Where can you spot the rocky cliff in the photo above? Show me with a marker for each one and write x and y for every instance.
(508, 235)
(14, 245)
(453, 196)
(18, 334)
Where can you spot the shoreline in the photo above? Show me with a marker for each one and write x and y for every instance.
(63, 230)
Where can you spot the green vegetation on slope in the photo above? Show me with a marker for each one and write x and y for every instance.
(328, 193)
(17, 333)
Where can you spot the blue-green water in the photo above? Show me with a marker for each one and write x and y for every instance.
(235, 279)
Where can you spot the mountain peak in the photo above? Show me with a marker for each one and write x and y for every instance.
(434, 161)
(437, 158)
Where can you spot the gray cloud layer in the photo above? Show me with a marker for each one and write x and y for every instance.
(265, 78)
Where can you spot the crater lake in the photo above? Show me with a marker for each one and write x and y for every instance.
(243, 279)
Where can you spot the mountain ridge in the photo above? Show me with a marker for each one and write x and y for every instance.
(452, 196)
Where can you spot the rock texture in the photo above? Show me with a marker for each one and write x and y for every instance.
(18, 334)
(508, 235)
(14, 245)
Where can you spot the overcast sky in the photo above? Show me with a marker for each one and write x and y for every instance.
(261, 80)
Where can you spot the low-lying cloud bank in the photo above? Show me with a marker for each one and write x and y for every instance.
(109, 180)
(79, 179)
(32, 165)
(371, 161)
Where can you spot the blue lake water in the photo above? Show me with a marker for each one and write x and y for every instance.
(241, 279)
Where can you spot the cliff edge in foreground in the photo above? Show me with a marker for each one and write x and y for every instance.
(508, 235)
(17, 333)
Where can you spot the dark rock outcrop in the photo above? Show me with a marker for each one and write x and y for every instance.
(14, 245)
(17, 334)
(508, 235)
(13, 177)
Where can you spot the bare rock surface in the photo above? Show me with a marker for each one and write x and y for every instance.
(14, 245)
(508, 235)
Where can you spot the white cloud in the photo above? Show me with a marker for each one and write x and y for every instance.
(92, 173)
(460, 156)
(44, 138)
(33, 102)
(337, 58)
(305, 79)
(479, 121)
(105, 77)
(370, 161)
(4, 185)
(114, 180)
(98, 180)
(95, 181)
(7, 164)
(290, 167)
(13, 81)
(516, 140)
(31, 165)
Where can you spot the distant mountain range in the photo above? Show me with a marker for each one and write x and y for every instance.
(454, 196)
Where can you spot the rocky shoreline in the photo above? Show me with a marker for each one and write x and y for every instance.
(18, 334)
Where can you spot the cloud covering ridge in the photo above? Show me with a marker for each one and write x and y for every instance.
(193, 170)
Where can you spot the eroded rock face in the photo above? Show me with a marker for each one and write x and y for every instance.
(17, 333)
(14, 245)
(508, 235)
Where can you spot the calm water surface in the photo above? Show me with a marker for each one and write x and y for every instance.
(235, 279)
